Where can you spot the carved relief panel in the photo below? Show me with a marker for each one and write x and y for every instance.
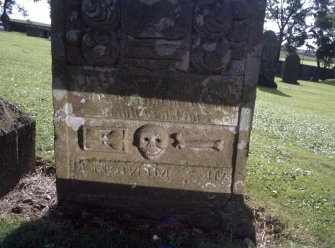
(158, 34)
(201, 36)
(186, 155)
(92, 33)
(158, 83)
(101, 14)
(212, 23)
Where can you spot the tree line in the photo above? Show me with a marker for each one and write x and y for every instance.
(7, 7)
(290, 17)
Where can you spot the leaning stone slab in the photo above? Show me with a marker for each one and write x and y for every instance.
(268, 65)
(291, 69)
(153, 105)
(17, 145)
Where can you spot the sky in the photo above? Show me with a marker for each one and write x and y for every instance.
(38, 12)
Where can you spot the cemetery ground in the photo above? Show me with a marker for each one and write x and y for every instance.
(290, 173)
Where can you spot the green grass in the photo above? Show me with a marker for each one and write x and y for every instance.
(14, 232)
(25, 69)
(290, 171)
(291, 165)
(49, 234)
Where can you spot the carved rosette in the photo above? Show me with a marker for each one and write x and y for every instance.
(212, 23)
(92, 33)
(211, 55)
(202, 36)
(100, 48)
(101, 13)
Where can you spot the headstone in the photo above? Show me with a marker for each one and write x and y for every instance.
(17, 145)
(268, 64)
(291, 68)
(5, 21)
(153, 104)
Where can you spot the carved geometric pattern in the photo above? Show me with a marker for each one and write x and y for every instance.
(203, 36)
(212, 22)
(100, 48)
(101, 14)
(103, 139)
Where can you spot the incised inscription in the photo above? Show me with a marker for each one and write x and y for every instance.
(210, 178)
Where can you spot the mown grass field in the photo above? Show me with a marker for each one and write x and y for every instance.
(25, 79)
(291, 166)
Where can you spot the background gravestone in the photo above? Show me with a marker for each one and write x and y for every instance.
(268, 64)
(153, 105)
(17, 145)
(5, 21)
(291, 69)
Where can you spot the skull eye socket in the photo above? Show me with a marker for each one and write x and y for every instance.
(146, 139)
(158, 140)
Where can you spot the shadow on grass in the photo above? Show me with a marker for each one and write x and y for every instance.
(78, 224)
(273, 91)
(328, 82)
(296, 84)
(52, 233)
(74, 226)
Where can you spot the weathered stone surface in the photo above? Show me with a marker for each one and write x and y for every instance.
(153, 105)
(291, 68)
(268, 65)
(17, 145)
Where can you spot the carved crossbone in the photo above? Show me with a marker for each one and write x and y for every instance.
(197, 144)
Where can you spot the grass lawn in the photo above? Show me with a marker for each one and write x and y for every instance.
(25, 79)
(291, 166)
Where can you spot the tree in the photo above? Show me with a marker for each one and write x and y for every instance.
(7, 7)
(290, 17)
(323, 33)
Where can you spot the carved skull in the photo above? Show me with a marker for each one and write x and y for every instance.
(151, 141)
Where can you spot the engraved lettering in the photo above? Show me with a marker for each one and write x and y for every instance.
(114, 171)
(135, 171)
(110, 169)
(161, 173)
(121, 170)
(217, 175)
